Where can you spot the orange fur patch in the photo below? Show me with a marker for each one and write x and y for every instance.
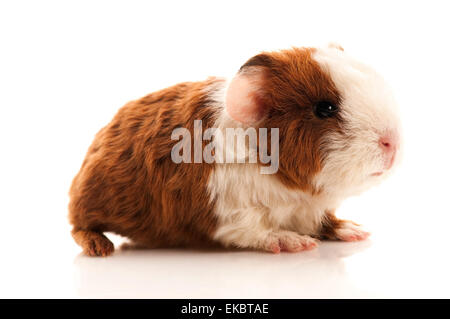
(128, 183)
(293, 84)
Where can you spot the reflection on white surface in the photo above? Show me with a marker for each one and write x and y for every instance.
(219, 274)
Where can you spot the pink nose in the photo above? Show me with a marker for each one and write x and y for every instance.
(389, 144)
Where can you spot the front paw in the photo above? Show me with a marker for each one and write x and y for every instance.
(349, 231)
(288, 241)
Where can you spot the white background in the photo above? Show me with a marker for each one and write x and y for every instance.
(67, 66)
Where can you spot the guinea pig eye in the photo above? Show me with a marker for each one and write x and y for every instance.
(325, 109)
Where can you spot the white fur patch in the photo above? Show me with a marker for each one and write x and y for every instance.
(368, 110)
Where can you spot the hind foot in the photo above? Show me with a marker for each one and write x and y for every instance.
(93, 243)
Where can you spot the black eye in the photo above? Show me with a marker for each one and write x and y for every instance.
(325, 109)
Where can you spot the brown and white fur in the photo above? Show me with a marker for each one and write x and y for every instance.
(129, 185)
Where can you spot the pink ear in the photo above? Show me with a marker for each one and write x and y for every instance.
(244, 102)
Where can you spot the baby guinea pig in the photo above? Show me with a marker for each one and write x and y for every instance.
(337, 135)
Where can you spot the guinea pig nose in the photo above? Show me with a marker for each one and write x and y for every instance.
(388, 142)
(385, 143)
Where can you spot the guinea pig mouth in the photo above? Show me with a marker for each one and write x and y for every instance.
(376, 174)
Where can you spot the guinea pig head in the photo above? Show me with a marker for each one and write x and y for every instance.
(337, 120)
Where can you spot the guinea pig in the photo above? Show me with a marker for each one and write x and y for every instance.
(335, 131)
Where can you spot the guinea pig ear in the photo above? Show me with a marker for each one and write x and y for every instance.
(245, 100)
(335, 45)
